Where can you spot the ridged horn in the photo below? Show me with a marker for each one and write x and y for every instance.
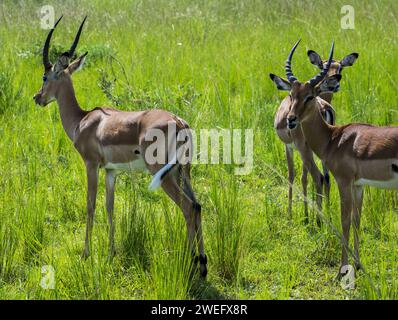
(320, 76)
(289, 73)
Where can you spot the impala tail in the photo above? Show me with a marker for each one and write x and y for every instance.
(162, 173)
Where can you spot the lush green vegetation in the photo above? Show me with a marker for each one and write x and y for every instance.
(208, 62)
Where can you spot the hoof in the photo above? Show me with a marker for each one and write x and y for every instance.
(202, 260)
(203, 267)
(203, 272)
(85, 254)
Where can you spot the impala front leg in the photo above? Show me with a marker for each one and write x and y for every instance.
(309, 165)
(290, 167)
(110, 199)
(346, 199)
(92, 184)
(304, 183)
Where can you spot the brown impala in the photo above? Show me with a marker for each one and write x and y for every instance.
(356, 154)
(117, 140)
(296, 138)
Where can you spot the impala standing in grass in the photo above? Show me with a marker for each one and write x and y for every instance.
(117, 140)
(356, 154)
(295, 139)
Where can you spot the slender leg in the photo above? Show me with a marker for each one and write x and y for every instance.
(92, 184)
(290, 166)
(346, 202)
(198, 222)
(309, 164)
(110, 199)
(356, 219)
(304, 183)
(190, 210)
(173, 190)
(327, 182)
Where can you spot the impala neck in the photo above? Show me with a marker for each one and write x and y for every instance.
(70, 111)
(317, 132)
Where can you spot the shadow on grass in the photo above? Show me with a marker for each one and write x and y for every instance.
(202, 289)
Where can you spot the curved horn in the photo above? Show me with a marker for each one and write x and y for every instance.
(76, 41)
(319, 77)
(289, 74)
(46, 61)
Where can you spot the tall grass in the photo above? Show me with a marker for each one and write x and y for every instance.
(228, 222)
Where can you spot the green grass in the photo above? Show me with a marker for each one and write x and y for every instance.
(208, 62)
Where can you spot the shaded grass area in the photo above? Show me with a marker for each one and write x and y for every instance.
(208, 62)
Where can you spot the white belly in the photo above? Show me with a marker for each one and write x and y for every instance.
(382, 184)
(136, 165)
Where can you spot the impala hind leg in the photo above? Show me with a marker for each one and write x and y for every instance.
(290, 167)
(198, 220)
(191, 211)
(110, 179)
(92, 184)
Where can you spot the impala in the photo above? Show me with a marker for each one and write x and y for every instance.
(295, 139)
(117, 140)
(356, 154)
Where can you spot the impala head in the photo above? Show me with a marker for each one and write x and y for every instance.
(337, 66)
(58, 75)
(303, 94)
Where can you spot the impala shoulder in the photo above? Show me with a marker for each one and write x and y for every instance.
(92, 118)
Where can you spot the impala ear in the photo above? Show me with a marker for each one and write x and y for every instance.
(315, 59)
(349, 60)
(281, 84)
(330, 85)
(77, 64)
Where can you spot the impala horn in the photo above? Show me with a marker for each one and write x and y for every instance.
(289, 74)
(46, 61)
(76, 41)
(319, 77)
